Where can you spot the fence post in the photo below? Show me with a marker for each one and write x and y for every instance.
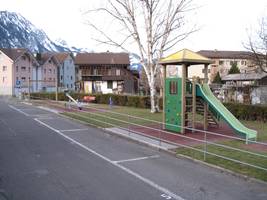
(128, 123)
(29, 94)
(160, 133)
(205, 145)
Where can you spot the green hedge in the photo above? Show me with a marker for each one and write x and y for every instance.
(121, 100)
(241, 111)
(248, 112)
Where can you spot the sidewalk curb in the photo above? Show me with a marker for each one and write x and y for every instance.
(159, 148)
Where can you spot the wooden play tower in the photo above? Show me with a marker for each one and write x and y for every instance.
(180, 92)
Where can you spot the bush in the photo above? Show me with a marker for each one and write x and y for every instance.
(240, 111)
(248, 112)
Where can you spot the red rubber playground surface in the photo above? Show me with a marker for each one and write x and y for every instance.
(213, 134)
(189, 138)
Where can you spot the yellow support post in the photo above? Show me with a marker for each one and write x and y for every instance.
(206, 79)
(194, 100)
(164, 97)
(183, 100)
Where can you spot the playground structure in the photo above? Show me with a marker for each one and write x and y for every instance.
(184, 97)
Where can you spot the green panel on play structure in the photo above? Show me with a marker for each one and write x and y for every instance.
(173, 106)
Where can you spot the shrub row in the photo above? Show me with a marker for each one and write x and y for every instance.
(121, 100)
(241, 111)
(248, 112)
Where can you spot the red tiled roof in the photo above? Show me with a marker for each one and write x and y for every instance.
(13, 53)
(61, 56)
(226, 54)
(102, 58)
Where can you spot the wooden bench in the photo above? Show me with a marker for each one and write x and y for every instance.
(89, 98)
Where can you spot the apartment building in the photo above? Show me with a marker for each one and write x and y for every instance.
(223, 60)
(16, 70)
(66, 75)
(105, 73)
(45, 75)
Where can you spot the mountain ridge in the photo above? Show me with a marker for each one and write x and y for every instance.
(18, 32)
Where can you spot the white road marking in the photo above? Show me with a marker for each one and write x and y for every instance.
(78, 129)
(136, 159)
(27, 103)
(145, 180)
(19, 110)
(30, 115)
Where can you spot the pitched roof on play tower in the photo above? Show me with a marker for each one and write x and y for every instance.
(185, 56)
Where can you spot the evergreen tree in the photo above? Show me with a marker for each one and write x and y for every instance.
(217, 78)
(234, 69)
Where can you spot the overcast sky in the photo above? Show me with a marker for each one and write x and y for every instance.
(224, 23)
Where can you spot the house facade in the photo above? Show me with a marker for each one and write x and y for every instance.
(16, 70)
(46, 74)
(105, 73)
(66, 76)
(223, 60)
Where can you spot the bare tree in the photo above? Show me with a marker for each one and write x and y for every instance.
(153, 26)
(257, 44)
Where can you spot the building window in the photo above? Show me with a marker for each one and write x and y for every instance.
(233, 62)
(23, 68)
(45, 71)
(110, 84)
(17, 78)
(49, 71)
(49, 61)
(61, 77)
(29, 70)
(17, 68)
(221, 62)
(70, 77)
(173, 87)
(4, 79)
(4, 68)
(50, 79)
(23, 58)
(67, 85)
(243, 62)
(23, 79)
(118, 72)
(109, 72)
(71, 85)
(95, 71)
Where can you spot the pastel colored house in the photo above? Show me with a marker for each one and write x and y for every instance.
(16, 68)
(105, 73)
(46, 74)
(66, 76)
(223, 60)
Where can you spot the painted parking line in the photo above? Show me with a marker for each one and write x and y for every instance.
(167, 194)
(136, 159)
(19, 110)
(44, 115)
(73, 130)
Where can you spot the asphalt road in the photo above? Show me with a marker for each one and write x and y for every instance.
(45, 156)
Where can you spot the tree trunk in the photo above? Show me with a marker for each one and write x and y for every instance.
(153, 96)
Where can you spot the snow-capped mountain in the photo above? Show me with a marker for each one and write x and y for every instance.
(18, 32)
(135, 62)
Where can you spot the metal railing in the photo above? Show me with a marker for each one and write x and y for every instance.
(106, 117)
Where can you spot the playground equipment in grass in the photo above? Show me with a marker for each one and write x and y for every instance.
(184, 97)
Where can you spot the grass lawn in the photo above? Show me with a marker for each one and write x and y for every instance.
(97, 120)
(244, 157)
(119, 113)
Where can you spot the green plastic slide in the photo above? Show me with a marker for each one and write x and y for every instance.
(206, 94)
